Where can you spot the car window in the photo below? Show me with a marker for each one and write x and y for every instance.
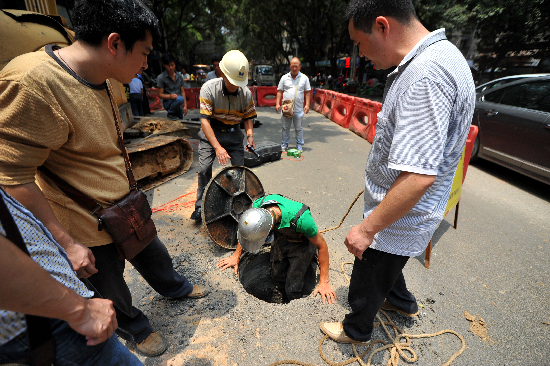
(494, 96)
(530, 95)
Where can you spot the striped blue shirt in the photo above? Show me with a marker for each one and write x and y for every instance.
(422, 128)
(47, 253)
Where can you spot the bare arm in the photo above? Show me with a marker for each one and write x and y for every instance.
(221, 153)
(166, 96)
(402, 196)
(30, 196)
(279, 100)
(232, 261)
(308, 101)
(27, 288)
(324, 289)
(248, 127)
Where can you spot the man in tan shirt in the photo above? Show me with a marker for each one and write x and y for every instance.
(56, 112)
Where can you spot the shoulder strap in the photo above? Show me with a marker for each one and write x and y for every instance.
(296, 89)
(41, 342)
(294, 221)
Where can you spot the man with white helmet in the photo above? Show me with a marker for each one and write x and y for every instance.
(224, 103)
(295, 243)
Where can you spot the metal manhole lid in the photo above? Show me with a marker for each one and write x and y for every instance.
(228, 194)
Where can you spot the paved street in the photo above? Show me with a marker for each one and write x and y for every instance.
(494, 267)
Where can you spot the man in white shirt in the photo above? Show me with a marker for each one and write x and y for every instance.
(287, 90)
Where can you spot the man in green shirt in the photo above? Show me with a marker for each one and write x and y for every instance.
(296, 241)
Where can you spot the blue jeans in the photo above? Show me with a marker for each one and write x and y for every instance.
(287, 122)
(71, 349)
(173, 106)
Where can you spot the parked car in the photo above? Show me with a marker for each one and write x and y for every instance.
(514, 126)
(506, 80)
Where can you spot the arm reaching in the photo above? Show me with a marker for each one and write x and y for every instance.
(323, 289)
(232, 261)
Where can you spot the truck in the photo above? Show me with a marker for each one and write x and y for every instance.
(262, 75)
(157, 147)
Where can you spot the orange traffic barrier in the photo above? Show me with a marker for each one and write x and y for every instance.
(154, 99)
(328, 103)
(267, 96)
(343, 110)
(469, 146)
(191, 97)
(318, 99)
(373, 109)
(360, 122)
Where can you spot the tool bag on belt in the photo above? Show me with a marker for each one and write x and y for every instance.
(288, 105)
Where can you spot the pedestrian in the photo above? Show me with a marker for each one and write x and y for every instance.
(420, 135)
(296, 242)
(224, 103)
(217, 72)
(171, 91)
(76, 139)
(291, 90)
(186, 77)
(136, 95)
(43, 283)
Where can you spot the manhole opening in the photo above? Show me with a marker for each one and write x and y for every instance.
(255, 276)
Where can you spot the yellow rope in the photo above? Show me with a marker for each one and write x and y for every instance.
(343, 218)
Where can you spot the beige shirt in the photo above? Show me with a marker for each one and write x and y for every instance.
(48, 116)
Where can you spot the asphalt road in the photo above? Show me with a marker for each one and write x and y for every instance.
(494, 267)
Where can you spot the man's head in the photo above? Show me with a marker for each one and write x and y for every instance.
(215, 59)
(234, 67)
(169, 63)
(254, 227)
(93, 21)
(369, 27)
(295, 66)
(184, 69)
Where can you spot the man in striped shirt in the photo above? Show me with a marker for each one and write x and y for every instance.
(420, 135)
(224, 103)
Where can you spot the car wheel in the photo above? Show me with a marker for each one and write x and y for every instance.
(475, 150)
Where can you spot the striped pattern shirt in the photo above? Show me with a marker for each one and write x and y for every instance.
(217, 103)
(47, 253)
(422, 128)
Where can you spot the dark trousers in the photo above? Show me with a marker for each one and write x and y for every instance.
(154, 264)
(289, 264)
(136, 102)
(377, 276)
(232, 142)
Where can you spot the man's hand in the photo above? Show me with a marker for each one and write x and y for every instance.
(306, 109)
(226, 263)
(96, 320)
(173, 96)
(82, 259)
(222, 155)
(185, 110)
(278, 107)
(357, 241)
(326, 292)
(250, 141)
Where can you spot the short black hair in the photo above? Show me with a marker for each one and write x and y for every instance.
(167, 58)
(93, 20)
(215, 57)
(363, 13)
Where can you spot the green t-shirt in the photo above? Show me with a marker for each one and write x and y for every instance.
(289, 209)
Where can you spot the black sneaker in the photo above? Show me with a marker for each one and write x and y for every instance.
(173, 117)
(196, 215)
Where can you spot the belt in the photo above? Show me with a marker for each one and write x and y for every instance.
(225, 129)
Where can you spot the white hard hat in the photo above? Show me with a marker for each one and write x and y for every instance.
(254, 227)
(234, 66)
